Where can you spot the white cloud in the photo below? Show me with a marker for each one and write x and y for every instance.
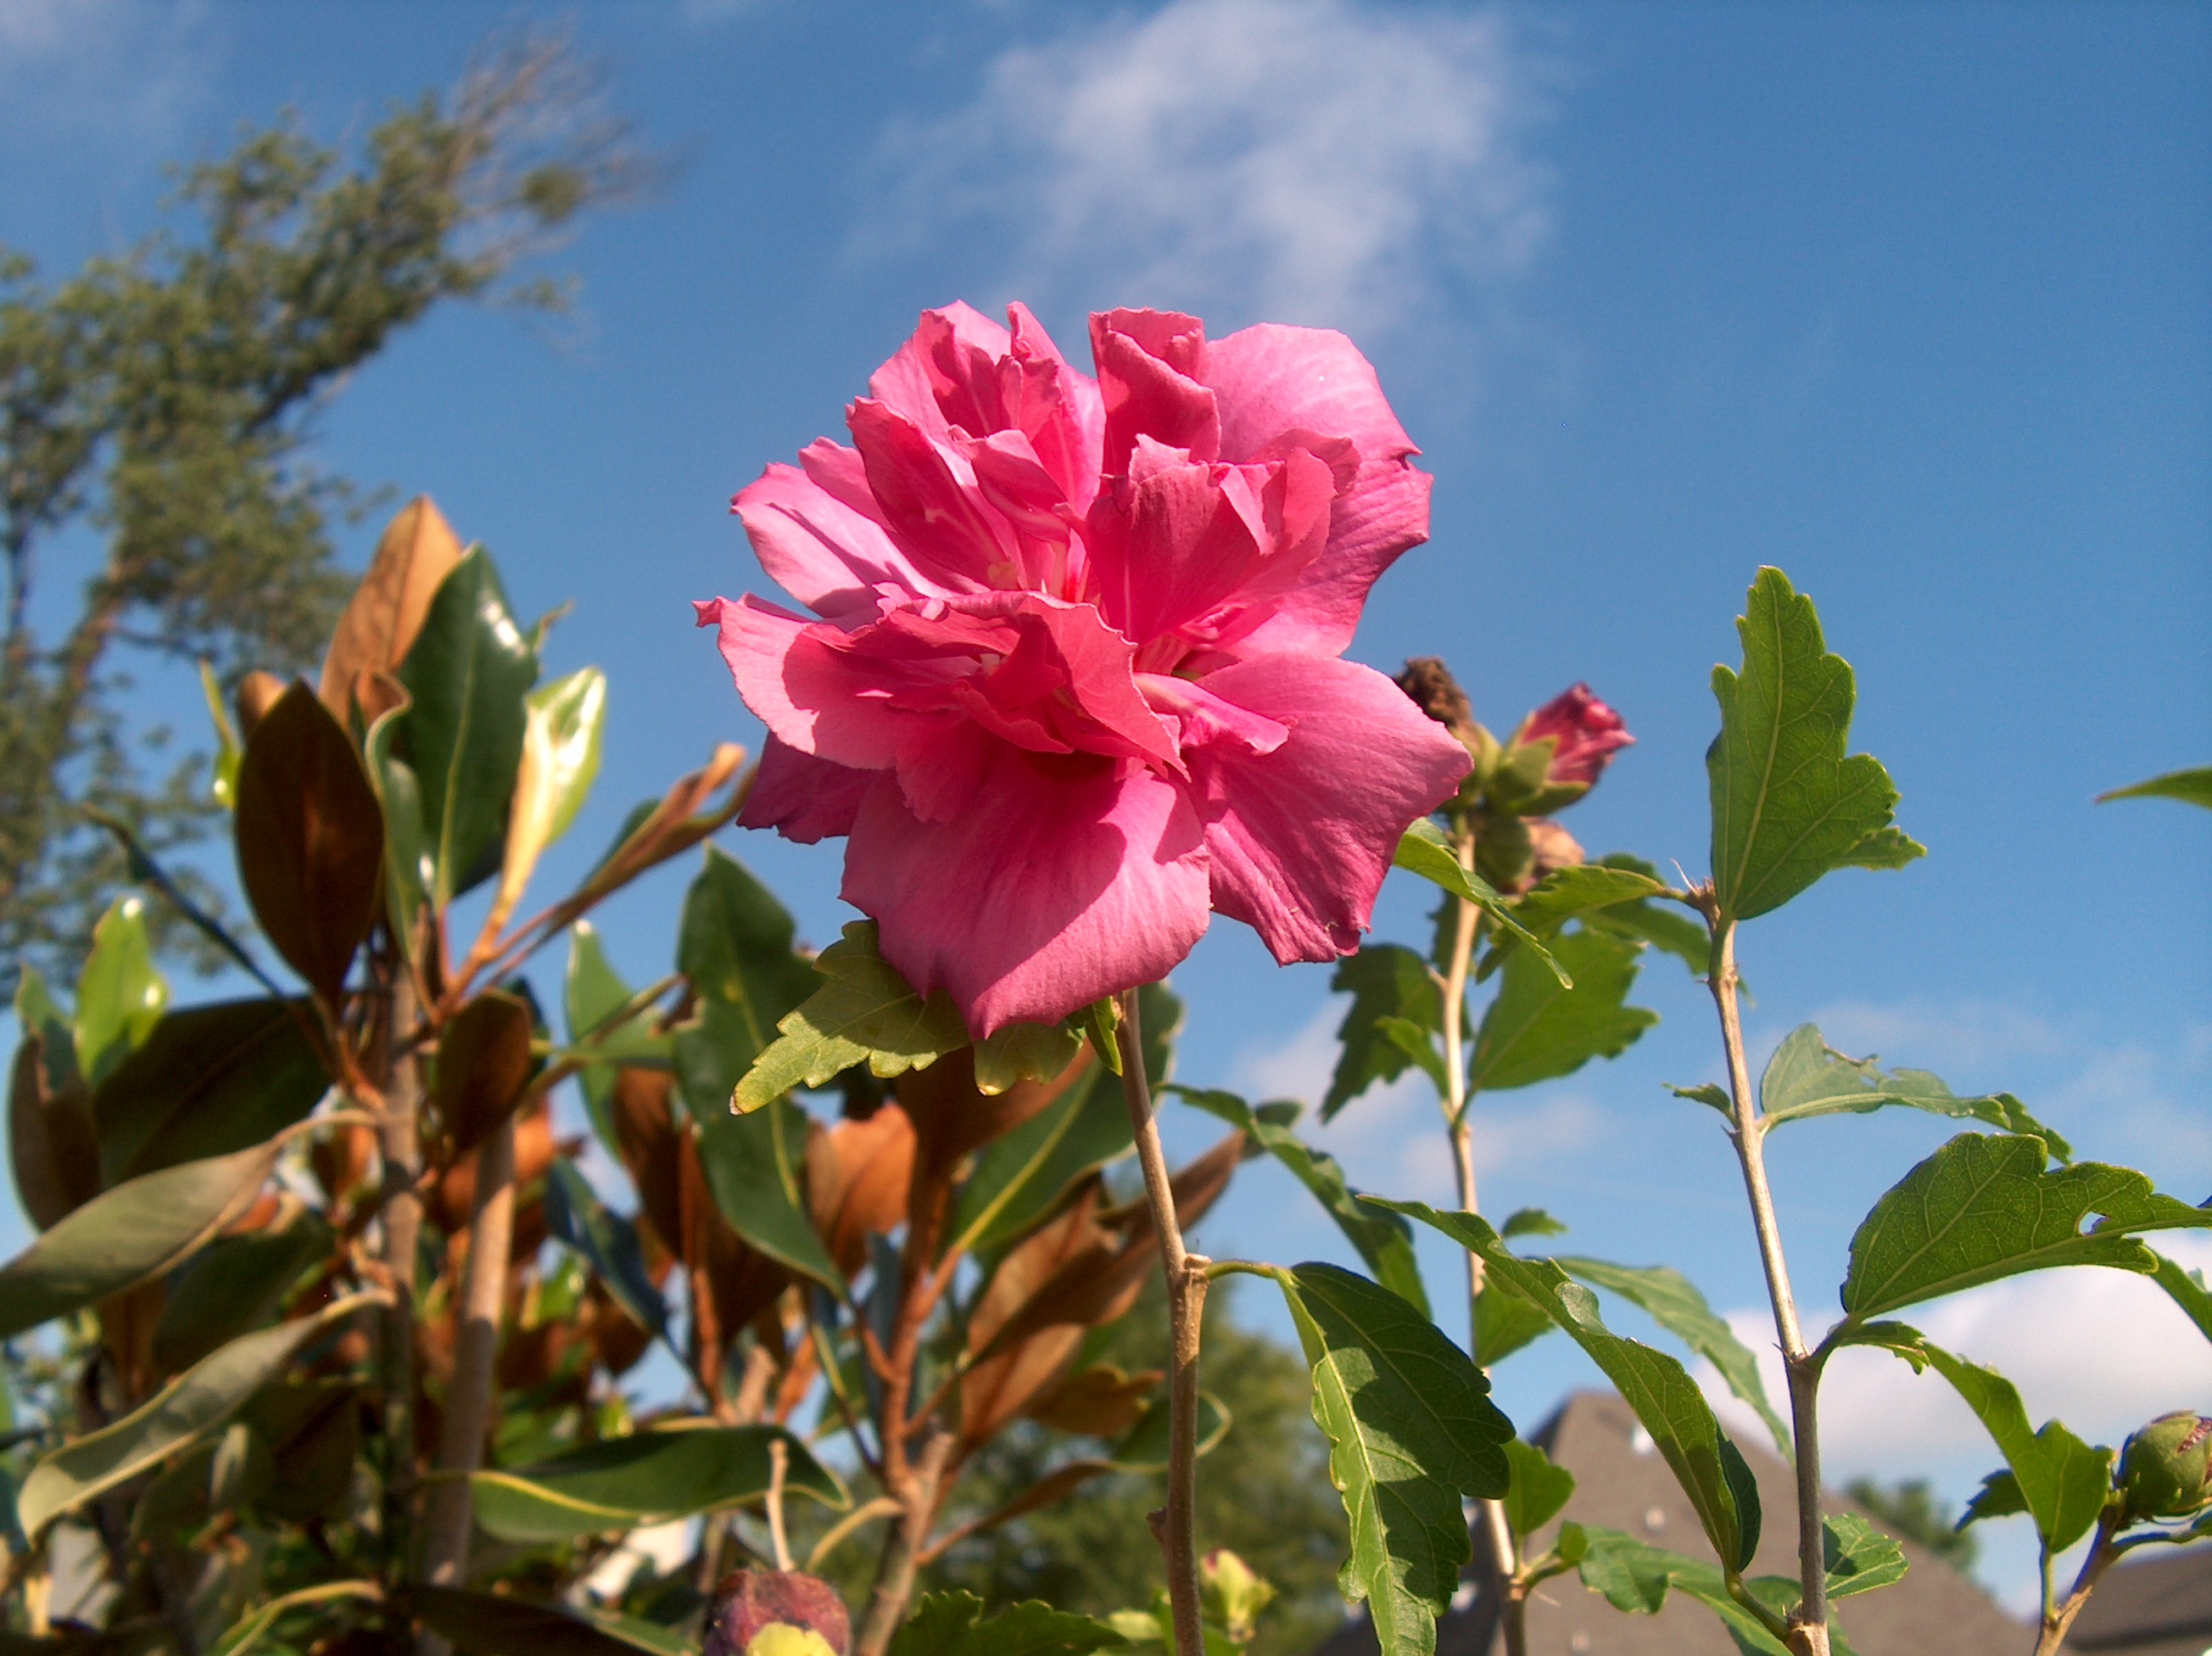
(1320, 162)
(126, 68)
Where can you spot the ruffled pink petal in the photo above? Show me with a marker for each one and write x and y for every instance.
(1147, 375)
(818, 549)
(939, 365)
(1064, 880)
(1273, 382)
(801, 797)
(805, 683)
(930, 502)
(1301, 838)
(1060, 408)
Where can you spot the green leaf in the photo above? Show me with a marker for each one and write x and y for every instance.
(573, 711)
(1566, 893)
(1538, 1491)
(1983, 1207)
(1539, 1028)
(1425, 850)
(1144, 1446)
(1635, 1577)
(735, 947)
(1021, 1177)
(1530, 1222)
(1673, 1301)
(409, 871)
(1807, 1077)
(2187, 1289)
(1660, 924)
(232, 1286)
(1657, 1387)
(1020, 1052)
(1787, 805)
(1384, 981)
(119, 994)
(1999, 1496)
(2061, 1481)
(1411, 1429)
(1384, 1241)
(208, 1081)
(608, 1243)
(498, 1624)
(865, 1012)
(195, 1403)
(753, 1165)
(2190, 787)
(222, 769)
(136, 1231)
(1857, 1557)
(467, 672)
(1706, 1093)
(1504, 1322)
(648, 1478)
(954, 1624)
(594, 992)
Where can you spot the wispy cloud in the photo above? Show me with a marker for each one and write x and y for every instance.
(1308, 161)
(128, 69)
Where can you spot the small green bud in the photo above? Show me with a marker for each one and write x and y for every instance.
(2163, 1467)
(1233, 1592)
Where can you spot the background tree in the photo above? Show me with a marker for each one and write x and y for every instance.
(155, 410)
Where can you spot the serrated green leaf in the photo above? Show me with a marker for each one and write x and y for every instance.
(1384, 981)
(121, 996)
(1384, 1240)
(2190, 787)
(2062, 1481)
(1425, 850)
(137, 1229)
(1857, 1557)
(954, 1624)
(1658, 1389)
(648, 1478)
(1539, 1028)
(466, 672)
(1807, 1077)
(1566, 893)
(866, 1013)
(1411, 1430)
(1673, 1301)
(754, 1166)
(195, 1403)
(1504, 1324)
(1706, 1093)
(1983, 1207)
(1635, 1577)
(1530, 1222)
(1658, 923)
(1538, 1490)
(606, 1241)
(1788, 805)
(208, 1081)
(735, 947)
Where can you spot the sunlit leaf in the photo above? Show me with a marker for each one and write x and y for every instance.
(1384, 981)
(119, 994)
(1807, 1077)
(865, 1012)
(1425, 850)
(1540, 1028)
(955, 1624)
(2190, 787)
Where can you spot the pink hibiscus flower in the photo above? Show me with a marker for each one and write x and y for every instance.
(1075, 677)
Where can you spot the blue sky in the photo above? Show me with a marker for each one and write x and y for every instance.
(1916, 303)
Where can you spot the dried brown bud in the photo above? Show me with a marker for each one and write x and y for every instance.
(1551, 848)
(256, 694)
(1429, 683)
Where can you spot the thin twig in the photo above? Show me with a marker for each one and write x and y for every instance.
(1187, 1283)
(779, 1466)
(1808, 1623)
(2057, 1623)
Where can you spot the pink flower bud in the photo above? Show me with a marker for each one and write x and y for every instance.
(748, 1604)
(1586, 731)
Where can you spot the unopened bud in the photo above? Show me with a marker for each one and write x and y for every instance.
(2163, 1467)
(256, 694)
(1560, 751)
(776, 1613)
(1234, 1593)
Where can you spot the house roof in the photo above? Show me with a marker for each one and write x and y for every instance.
(2150, 1607)
(1622, 1483)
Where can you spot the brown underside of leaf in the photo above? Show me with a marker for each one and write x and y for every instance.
(484, 1063)
(953, 1119)
(417, 552)
(51, 1144)
(858, 1174)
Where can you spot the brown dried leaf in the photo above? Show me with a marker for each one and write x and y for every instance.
(857, 1177)
(417, 553)
(52, 1143)
(650, 1140)
(310, 837)
(533, 1155)
(952, 1117)
(256, 694)
(484, 1063)
(680, 821)
(1099, 1402)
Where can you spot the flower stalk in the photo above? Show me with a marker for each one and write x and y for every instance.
(1808, 1623)
(1176, 1526)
